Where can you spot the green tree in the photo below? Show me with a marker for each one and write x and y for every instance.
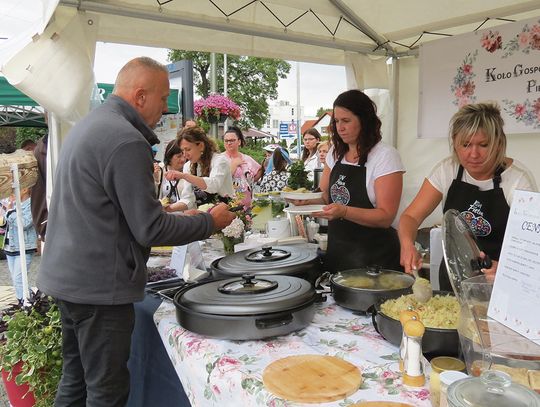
(29, 133)
(321, 111)
(251, 81)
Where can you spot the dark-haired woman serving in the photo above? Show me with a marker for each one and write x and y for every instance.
(362, 183)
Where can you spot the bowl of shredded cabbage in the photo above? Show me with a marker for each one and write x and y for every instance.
(439, 315)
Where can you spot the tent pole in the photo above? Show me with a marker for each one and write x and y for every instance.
(226, 124)
(298, 116)
(20, 231)
(394, 94)
(213, 89)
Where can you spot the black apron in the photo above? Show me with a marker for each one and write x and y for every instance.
(486, 212)
(351, 245)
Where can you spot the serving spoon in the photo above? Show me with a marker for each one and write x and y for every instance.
(421, 288)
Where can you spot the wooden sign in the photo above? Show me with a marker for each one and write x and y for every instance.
(28, 171)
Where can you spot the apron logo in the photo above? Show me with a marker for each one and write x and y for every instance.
(475, 218)
(339, 192)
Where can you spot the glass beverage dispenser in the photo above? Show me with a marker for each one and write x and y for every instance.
(486, 344)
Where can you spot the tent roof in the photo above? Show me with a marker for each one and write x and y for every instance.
(304, 30)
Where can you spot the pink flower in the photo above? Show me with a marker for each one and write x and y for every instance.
(422, 394)
(467, 69)
(462, 102)
(193, 346)
(536, 106)
(535, 29)
(519, 110)
(468, 88)
(535, 41)
(216, 389)
(491, 41)
(227, 364)
(215, 105)
(523, 39)
(355, 328)
(388, 374)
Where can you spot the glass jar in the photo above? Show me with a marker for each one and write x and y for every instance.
(438, 365)
(261, 211)
(277, 203)
(446, 379)
(491, 389)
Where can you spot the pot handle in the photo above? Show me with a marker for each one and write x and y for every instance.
(373, 310)
(274, 322)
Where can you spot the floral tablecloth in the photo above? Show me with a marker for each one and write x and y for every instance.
(229, 373)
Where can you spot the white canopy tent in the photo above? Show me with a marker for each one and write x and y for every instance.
(359, 34)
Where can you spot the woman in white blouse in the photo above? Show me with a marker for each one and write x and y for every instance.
(311, 138)
(207, 173)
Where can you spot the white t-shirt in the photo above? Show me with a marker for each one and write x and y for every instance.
(310, 164)
(167, 185)
(382, 160)
(218, 182)
(516, 176)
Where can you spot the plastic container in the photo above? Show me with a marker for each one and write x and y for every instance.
(491, 389)
(16, 393)
(438, 365)
(446, 379)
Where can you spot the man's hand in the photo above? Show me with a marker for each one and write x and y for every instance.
(222, 216)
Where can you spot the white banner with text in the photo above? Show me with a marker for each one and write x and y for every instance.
(499, 64)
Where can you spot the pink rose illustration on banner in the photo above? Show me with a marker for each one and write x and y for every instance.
(526, 41)
(491, 41)
(463, 86)
(527, 112)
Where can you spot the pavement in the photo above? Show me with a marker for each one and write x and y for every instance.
(7, 296)
(7, 293)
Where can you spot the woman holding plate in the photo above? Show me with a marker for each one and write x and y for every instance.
(362, 183)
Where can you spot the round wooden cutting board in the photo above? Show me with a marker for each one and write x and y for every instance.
(312, 378)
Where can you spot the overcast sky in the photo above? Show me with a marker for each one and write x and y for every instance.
(319, 84)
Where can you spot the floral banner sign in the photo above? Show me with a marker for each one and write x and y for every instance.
(499, 64)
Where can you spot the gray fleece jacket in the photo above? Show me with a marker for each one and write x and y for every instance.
(104, 215)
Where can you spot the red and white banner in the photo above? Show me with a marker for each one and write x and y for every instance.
(499, 64)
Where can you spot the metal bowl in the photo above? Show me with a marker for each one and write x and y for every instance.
(435, 342)
(358, 289)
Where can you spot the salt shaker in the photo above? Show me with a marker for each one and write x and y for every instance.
(404, 316)
(413, 370)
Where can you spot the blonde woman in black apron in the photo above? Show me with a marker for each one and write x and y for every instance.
(362, 181)
(478, 180)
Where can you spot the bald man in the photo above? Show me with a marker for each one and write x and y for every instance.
(103, 219)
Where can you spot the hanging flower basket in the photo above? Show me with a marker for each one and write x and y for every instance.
(216, 108)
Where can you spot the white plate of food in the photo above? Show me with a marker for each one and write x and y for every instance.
(304, 209)
(301, 195)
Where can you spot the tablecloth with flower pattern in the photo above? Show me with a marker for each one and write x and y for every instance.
(229, 373)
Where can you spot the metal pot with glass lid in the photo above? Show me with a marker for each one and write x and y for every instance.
(247, 307)
(295, 260)
(358, 289)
